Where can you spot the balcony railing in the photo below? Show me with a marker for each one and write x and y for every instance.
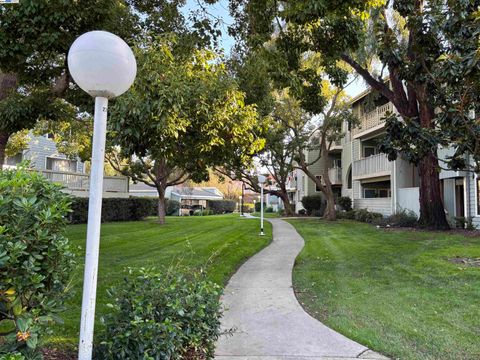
(373, 118)
(372, 166)
(80, 182)
(335, 175)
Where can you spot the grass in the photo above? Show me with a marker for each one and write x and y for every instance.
(217, 245)
(393, 291)
(267, 215)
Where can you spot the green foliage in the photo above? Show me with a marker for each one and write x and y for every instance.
(312, 203)
(222, 206)
(114, 209)
(162, 314)
(14, 356)
(349, 215)
(172, 207)
(248, 208)
(345, 202)
(200, 212)
(35, 258)
(466, 223)
(269, 209)
(364, 215)
(258, 206)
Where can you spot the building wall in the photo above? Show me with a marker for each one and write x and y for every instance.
(40, 147)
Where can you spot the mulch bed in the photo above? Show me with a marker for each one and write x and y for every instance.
(59, 354)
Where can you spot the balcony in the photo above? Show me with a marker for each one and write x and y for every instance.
(372, 120)
(335, 175)
(78, 183)
(372, 166)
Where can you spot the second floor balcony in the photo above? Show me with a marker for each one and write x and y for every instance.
(372, 166)
(372, 120)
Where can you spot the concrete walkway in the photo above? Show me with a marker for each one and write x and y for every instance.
(269, 322)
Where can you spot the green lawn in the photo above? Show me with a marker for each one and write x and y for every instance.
(267, 215)
(393, 291)
(216, 244)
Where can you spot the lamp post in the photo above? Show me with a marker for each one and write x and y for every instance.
(261, 181)
(241, 204)
(104, 66)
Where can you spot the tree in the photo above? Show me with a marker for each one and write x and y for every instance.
(407, 37)
(183, 116)
(34, 41)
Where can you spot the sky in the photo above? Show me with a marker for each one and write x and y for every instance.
(220, 10)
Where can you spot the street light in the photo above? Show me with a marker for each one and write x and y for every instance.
(261, 181)
(104, 66)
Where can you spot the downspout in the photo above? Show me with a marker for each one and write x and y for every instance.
(351, 164)
(394, 185)
(467, 200)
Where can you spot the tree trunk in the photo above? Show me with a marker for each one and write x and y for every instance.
(289, 210)
(162, 209)
(432, 213)
(3, 145)
(330, 213)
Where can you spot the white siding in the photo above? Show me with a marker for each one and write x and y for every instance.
(379, 205)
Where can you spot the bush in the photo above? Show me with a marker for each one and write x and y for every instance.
(258, 206)
(172, 207)
(200, 212)
(222, 206)
(404, 218)
(313, 202)
(302, 212)
(345, 203)
(349, 215)
(248, 208)
(35, 259)
(162, 315)
(364, 215)
(115, 209)
(269, 209)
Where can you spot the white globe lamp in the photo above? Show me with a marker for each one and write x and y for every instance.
(103, 65)
(261, 181)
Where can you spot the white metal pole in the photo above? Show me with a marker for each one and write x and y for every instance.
(261, 210)
(93, 230)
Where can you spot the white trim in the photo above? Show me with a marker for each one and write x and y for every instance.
(475, 196)
(466, 201)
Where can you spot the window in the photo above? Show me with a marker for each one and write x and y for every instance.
(369, 193)
(349, 177)
(61, 165)
(49, 136)
(369, 151)
(337, 163)
(317, 188)
(14, 160)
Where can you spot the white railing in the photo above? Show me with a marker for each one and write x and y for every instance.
(372, 165)
(335, 175)
(373, 118)
(80, 181)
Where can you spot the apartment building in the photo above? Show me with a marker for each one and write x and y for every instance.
(44, 157)
(358, 170)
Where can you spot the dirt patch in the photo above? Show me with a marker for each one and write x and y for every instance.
(59, 354)
(465, 261)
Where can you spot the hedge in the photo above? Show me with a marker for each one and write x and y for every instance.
(222, 206)
(314, 205)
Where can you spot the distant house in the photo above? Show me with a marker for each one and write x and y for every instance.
(189, 196)
(44, 157)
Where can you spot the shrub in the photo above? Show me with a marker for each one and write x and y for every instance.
(364, 215)
(115, 209)
(317, 213)
(302, 212)
(258, 206)
(404, 218)
(162, 316)
(222, 206)
(349, 215)
(200, 212)
(281, 212)
(345, 202)
(35, 258)
(269, 209)
(313, 202)
(248, 208)
(172, 207)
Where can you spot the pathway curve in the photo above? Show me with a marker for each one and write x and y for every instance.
(269, 322)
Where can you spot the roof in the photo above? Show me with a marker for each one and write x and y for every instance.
(366, 92)
(204, 193)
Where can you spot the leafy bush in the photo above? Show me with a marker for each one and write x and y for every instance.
(404, 218)
(162, 315)
(364, 215)
(258, 206)
(14, 356)
(281, 212)
(115, 209)
(349, 215)
(35, 258)
(222, 206)
(313, 202)
(317, 213)
(200, 212)
(248, 208)
(302, 212)
(269, 209)
(172, 207)
(345, 202)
